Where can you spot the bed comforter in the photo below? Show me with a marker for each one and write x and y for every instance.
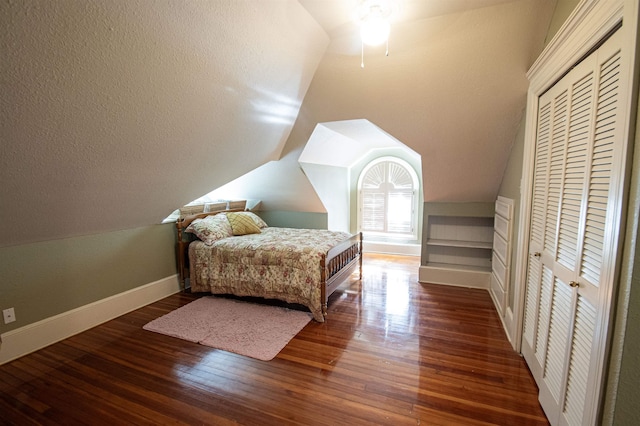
(278, 263)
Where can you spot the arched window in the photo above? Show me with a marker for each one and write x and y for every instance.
(387, 199)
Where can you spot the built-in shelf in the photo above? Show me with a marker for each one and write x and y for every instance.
(458, 245)
(469, 268)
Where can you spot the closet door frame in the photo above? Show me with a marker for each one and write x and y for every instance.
(587, 26)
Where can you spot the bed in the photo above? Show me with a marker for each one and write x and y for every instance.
(235, 252)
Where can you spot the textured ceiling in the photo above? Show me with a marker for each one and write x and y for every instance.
(114, 113)
(453, 89)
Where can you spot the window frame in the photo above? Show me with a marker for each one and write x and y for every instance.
(415, 186)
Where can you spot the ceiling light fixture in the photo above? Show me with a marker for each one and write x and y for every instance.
(373, 17)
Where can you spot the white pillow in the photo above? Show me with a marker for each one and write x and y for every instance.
(211, 228)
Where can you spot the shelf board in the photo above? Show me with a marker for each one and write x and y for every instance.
(459, 243)
(452, 266)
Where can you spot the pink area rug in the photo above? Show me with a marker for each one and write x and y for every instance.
(257, 331)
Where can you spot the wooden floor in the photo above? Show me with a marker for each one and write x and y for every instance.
(392, 351)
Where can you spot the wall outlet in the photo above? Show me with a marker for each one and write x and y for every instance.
(9, 315)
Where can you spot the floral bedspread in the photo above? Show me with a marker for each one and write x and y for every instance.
(278, 263)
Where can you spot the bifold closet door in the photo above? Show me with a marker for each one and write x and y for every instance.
(577, 175)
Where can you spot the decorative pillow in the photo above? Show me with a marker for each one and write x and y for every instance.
(242, 224)
(211, 228)
(257, 219)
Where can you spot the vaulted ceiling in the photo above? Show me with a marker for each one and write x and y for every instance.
(114, 113)
(452, 89)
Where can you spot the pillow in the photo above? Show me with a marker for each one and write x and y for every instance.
(257, 219)
(211, 228)
(242, 224)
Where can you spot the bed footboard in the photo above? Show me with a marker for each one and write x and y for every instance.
(338, 265)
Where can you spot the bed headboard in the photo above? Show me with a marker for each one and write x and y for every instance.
(185, 221)
(182, 242)
(218, 206)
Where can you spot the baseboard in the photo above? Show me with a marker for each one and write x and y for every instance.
(454, 277)
(508, 323)
(30, 338)
(505, 320)
(391, 248)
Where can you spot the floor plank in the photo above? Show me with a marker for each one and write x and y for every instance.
(392, 351)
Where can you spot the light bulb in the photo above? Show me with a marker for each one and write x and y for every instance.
(374, 30)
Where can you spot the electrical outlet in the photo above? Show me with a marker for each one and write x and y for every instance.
(9, 315)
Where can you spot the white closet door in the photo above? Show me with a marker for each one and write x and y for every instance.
(578, 156)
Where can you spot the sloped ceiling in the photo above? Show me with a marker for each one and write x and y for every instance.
(114, 113)
(453, 89)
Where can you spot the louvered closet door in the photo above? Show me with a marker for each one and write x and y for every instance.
(578, 151)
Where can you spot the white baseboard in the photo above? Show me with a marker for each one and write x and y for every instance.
(30, 338)
(506, 320)
(391, 248)
(454, 277)
(508, 323)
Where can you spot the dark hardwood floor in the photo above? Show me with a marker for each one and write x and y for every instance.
(392, 351)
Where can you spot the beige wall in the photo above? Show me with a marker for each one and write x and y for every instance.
(117, 112)
(621, 398)
(560, 14)
(626, 410)
(44, 279)
(624, 374)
